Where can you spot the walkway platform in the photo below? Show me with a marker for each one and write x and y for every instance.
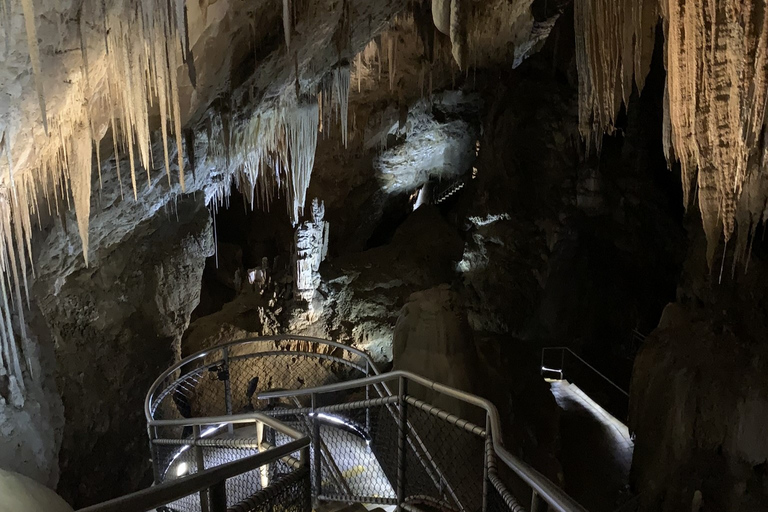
(596, 450)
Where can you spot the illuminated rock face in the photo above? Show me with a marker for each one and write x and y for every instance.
(22, 494)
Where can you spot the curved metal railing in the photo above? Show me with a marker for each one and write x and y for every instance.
(214, 389)
(234, 365)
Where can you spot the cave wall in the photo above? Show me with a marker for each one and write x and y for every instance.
(698, 394)
(115, 327)
(32, 426)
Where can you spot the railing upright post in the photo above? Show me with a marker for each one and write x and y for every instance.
(562, 364)
(316, 455)
(537, 503)
(487, 460)
(218, 497)
(200, 461)
(304, 466)
(227, 388)
(402, 442)
(368, 397)
(152, 433)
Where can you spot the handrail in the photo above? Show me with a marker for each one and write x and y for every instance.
(574, 354)
(251, 417)
(553, 495)
(262, 339)
(159, 495)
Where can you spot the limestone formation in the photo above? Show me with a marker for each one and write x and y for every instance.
(311, 249)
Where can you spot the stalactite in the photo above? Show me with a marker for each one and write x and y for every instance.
(139, 64)
(341, 85)
(301, 124)
(717, 79)
(287, 27)
(614, 44)
(34, 56)
(441, 15)
(716, 57)
(80, 169)
(458, 33)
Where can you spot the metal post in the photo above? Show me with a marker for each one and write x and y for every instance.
(218, 497)
(562, 364)
(537, 503)
(486, 460)
(152, 433)
(316, 448)
(263, 470)
(402, 442)
(227, 388)
(368, 397)
(307, 485)
(200, 460)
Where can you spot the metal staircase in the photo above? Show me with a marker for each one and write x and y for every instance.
(295, 424)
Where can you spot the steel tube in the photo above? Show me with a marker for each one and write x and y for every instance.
(217, 494)
(574, 354)
(556, 497)
(200, 461)
(316, 455)
(265, 339)
(402, 441)
(227, 388)
(446, 416)
(251, 417)
(486, 460)
(159, 495)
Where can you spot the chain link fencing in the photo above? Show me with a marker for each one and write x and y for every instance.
(422, 446)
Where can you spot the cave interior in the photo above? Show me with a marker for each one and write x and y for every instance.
(556, 205)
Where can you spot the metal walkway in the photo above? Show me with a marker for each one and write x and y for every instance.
(596, 447)
(596, 450)
(289, 423)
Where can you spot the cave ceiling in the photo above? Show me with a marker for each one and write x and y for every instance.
(113, 108)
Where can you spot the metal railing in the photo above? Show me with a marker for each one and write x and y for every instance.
(223, 379)
(225, 486)
(432, 437)
(612, 397)
(315, 413)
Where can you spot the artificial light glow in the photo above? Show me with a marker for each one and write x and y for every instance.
(182, 469)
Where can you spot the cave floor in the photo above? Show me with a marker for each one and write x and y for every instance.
(595, 452)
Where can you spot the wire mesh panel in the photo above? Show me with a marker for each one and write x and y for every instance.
(216, 446)
(227, 379)
(288, 493)
(368, 444)
(348, 438)
(444, 462)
